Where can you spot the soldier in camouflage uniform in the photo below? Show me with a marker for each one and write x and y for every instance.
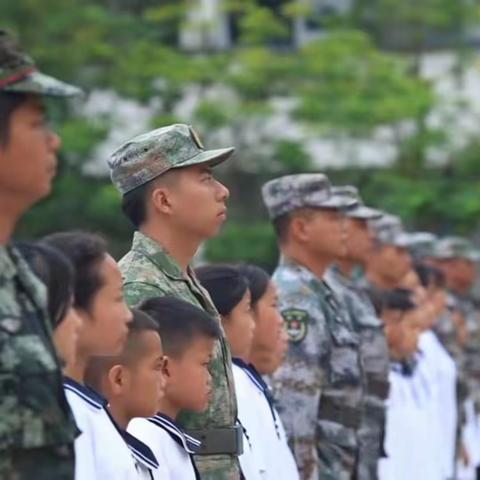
(175, 203)
(369, 327)
(36, 426)
(319, 386)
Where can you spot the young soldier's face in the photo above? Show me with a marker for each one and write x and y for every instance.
(145, 382)
(104, 328)
(189, 384)
(198, 202)
(28, 159)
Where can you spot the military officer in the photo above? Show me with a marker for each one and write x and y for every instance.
(173, 200)
(36, 426)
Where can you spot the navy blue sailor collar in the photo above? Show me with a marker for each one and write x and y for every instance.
(89, 396)
(188, 443)
(140, 451)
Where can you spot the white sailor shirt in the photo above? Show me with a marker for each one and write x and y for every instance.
(258, 415)
(101, 452)
(173, 448)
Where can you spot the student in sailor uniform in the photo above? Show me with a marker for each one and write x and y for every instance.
(188, 336)
(231, 295)
(133, 383)
(270, 343)
(100, 451)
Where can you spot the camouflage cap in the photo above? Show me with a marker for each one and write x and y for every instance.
(358, 210)
(285, 194)
(388, 230)
(421, 244)
(455, 247)
(19, 74)
(147, 156)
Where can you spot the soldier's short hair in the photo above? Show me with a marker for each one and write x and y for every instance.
(86, 251)
(9, 103)
(179, 323)
(134, 205)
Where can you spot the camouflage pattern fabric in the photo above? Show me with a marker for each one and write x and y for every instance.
(376, 364)
(19, 74)
(35, 420)
(321, 365)
(148, 271)
(308, 190)
(147, 156)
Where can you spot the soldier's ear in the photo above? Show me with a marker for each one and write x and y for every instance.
(299, 228)
(160, 200)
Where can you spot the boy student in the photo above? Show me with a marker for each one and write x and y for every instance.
(189, 336)
(101, 452)
(133, 384)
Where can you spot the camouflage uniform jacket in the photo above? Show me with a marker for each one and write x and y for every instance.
(148, 271)
(321, 364)
(36, 425)
(376, 366)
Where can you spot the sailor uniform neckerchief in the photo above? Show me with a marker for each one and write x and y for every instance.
(190, 444)
(260, 383)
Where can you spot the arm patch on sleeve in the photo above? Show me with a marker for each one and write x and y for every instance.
(296, 323)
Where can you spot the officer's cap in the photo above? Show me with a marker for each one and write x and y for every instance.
(308, 190)
(455, 247)
(388, 230)
(19, 74)
(358, 210)
(147, 156)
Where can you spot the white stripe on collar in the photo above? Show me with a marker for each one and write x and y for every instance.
(189, 443)
(140, 451)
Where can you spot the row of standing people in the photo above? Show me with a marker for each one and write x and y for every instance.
(333, 387)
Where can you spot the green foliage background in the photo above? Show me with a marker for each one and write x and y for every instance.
(347, 83)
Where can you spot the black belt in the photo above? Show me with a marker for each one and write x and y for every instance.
(219, 441)
(348, 416)
(377, 387)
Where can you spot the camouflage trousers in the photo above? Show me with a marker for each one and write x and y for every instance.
(48, 463)
(370, 439)
(337, 449)
(218, 467)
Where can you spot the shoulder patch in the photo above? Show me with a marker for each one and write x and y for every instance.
(296, 322)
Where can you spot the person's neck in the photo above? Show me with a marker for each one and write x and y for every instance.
(179, 245)
(76, 370)
(346, 267)
(380, 281)
(314, 262)
(9, 216)
(262, 360)
(169, 408)
(119, 414)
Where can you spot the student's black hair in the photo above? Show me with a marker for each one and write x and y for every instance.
(86, 251)
(133, 350)
(56, 271)
(225, 284)
(257, 281)
(179, 323)
(429, 275)
(398, 299)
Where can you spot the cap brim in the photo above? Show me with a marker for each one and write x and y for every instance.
(402, 240)
(40, 84)
(211, 157)
(337, 203)
(361, 212)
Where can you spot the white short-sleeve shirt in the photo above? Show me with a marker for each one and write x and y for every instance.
(263, 425)
(172, 447)
(101, 450)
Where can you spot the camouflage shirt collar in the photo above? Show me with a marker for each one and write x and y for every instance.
(306, 274)
(7, 266)
(156, 254)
